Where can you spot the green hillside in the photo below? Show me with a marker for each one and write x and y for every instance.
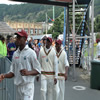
(33, 12)
(27, 12)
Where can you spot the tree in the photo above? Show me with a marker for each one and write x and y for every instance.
(97, 24)
(58, 25)
(98, 36)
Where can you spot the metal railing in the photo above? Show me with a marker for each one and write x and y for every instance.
(7, 87)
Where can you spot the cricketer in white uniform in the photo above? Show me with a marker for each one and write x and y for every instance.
(24, 67)
(62, 68)
(49, 72)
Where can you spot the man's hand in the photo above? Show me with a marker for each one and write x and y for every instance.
(55, 81)
(1, 77)
(24, 72)
(65, 77)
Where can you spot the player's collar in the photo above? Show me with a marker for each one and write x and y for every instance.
(58, 53)
(48, 50)
(25, 48)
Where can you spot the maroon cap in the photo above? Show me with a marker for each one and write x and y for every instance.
(59, 41)
(97, 40)
(50, 39)
(22, 33)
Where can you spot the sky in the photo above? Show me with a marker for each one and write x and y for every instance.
(8, 2)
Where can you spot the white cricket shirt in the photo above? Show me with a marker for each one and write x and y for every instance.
(25, 59)
(48, 61)
(62, 63)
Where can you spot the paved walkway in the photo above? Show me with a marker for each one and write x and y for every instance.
(76, 94)
(83, 80)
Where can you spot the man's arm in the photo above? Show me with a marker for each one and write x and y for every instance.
(9, 75)
(56, 68)
(66, 72)
(66, 67)
(3, 76)
(39, 57)
(25, 72)
(40, 61)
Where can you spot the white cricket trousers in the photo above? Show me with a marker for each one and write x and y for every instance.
(61, 89)
(49, 91)
(25, 92)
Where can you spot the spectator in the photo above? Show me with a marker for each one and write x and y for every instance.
(53, 43)
(30, 43)
(40, 43)
(3, 47)
(44, 40)
(77, 48)
(36, 49)
(11, 48)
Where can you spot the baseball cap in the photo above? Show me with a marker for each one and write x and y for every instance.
(59, 41)
(22, 33)
(49, 39)
(97, 40)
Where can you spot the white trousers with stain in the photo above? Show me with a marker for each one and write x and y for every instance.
(49, 91)
(61, 89)
(25, 92)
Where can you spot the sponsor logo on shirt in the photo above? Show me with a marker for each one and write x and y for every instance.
(43, 56)
(25, 58)
(16, 57)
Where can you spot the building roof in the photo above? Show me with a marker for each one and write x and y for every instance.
(5, 29)
(54, 2)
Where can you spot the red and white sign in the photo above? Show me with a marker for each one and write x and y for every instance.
(69, 1)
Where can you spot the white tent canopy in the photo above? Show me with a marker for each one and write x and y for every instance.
(41, 36)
